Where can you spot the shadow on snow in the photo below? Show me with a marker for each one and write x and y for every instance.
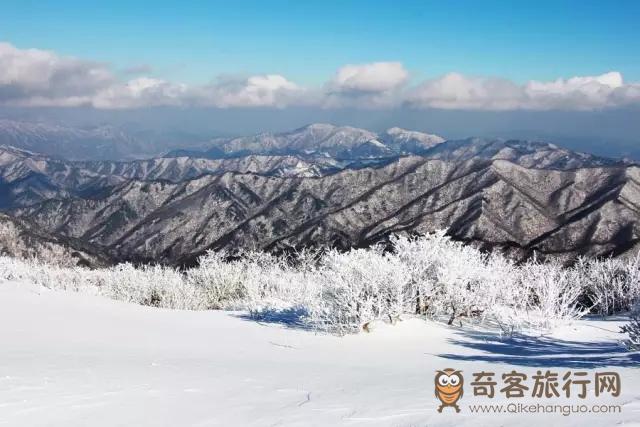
(290, 317)
(542, 351)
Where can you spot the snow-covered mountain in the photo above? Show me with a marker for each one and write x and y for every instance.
(19, 238)
(492, 203)
(104, 142)
(329, 185)
(407, 141)
(349, 146)
(66, 142)
(341, 142)
(531, 154)
(176, 169)
(314, 138)
(27, 177)
(317, 148)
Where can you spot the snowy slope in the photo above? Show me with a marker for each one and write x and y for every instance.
(70, 359)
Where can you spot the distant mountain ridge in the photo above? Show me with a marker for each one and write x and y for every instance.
(104, 142)
(355, 188)
(341, 142)
(348, 143)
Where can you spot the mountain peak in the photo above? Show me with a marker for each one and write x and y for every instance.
(411, 141)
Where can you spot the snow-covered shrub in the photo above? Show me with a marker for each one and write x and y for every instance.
(270, 282)
(467, 286)
(254, 281)
(604, 283)
(221, 283)
(357, 287)
(151, 285)
(420, 258)
(507, 296)
(449, 280)
(342, 292)
(632, 329)
(555, 292)
(631, 285)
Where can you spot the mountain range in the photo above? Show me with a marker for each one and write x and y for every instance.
(325, 185)
(96, 142)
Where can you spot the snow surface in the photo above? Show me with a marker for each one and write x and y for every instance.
(70, 359)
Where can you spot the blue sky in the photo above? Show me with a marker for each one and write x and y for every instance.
(307, 41)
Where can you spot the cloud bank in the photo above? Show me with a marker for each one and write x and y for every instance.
(33, 77)
(456, 91)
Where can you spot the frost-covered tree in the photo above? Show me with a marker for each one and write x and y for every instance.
(358, 287)
(554, 294)
(420, 258)
(429, 276)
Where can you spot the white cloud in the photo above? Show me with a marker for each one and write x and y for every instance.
(456, 91)
(255, 91)
(140, 92)
(270, 90)
(374, 77)
(589, 92)
(32, 77)
(374, 85)
(38, 77)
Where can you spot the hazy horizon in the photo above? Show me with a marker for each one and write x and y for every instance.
(536, 71)
(611, 133)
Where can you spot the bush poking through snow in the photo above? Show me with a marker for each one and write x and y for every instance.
(343, 292)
